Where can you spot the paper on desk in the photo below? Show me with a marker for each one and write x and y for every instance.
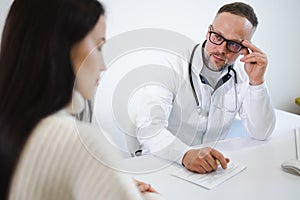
(210, 180)
(297, 142)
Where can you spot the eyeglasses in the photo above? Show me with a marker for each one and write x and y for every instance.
(217, 39)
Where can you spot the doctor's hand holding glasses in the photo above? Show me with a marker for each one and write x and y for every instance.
(255, 60)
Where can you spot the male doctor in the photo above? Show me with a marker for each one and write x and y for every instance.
(220, 78)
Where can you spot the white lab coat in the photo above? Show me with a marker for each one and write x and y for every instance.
(168, 122)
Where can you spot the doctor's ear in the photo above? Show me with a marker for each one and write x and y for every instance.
(208, 30)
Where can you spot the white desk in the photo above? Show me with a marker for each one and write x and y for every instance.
(263, 178)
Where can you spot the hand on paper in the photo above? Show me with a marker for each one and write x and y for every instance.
(204, 160)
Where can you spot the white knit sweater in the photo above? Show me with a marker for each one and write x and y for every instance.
(56, 165)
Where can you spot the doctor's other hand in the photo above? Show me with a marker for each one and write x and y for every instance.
(204, 160)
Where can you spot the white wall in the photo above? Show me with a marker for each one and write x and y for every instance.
(278, 33)
(4, 6)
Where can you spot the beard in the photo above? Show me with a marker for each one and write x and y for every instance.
(210, 65)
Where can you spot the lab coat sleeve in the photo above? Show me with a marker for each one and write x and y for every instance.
(257, 112)
(153, 110)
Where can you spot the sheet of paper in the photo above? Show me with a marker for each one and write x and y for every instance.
(210, 180)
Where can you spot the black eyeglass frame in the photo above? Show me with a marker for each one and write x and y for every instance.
(228, 42)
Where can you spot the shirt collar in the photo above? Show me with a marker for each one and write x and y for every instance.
(76, 105)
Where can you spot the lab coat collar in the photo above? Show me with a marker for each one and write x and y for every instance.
(197, 63)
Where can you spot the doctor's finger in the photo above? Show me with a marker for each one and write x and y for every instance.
(219, 156)
(255, 58)
(251, 46)
(206, 166)
(245, 51)
(199, 169)
(198, 165)
(212, 162)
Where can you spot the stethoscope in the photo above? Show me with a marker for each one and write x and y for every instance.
(223, 80)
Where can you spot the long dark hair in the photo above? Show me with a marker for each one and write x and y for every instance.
(36, 74)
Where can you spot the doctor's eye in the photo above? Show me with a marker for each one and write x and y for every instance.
(233, 46)
(218, 37)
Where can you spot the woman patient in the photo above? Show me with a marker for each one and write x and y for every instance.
(51, 51)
